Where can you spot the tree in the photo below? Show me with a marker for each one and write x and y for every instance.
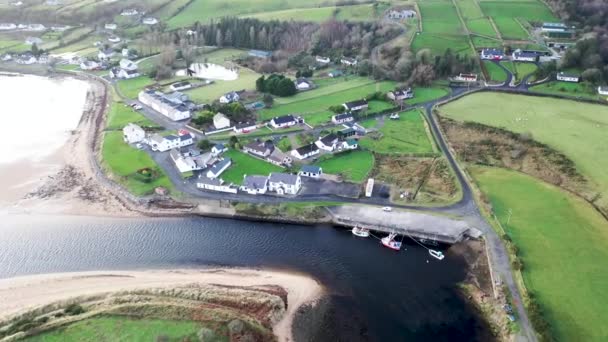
(204, 144)
(268, 100)
(593, 76)
(336, 109)
(219, 38)
(233, 142)
(285, 87)
(203, 118)
(259, 84)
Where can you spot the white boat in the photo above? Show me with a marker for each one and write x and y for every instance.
(436, 254)
(389, 241)
(360, 232)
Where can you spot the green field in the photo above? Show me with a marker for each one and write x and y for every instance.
(427, 94)
(440, 42)
(510, 29)
(481, 26)
(481, 42)
(406, 135)
(576, 129)
(120, 115)
(123, 161)
(214, 91)
(563, 243)
(507, 13)
(122, 328)
(244, 164)
(353, 166)
(494, 72)
(568, 89)
(300, 14)
(441, 29)
(131, 88)
(524, 69)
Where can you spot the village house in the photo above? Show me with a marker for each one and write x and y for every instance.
(33, 40)
(347, 133)
(105, 54)
(349, 144)
(303, 84)
(218, 168)
(89, 65)
(322, 60)
(114, 39)
(396, 14)
(179, 86)
(183, 163)
(492, 54)
(132, 133)
(465, 78)
(348, 61)
(602, 90)
(218, 149)
(6, 57)
(220, 121)
(260, 54)
(230, 97)
(245, 127)
(111, 26)
(278, 158)
(335, 73)
(524, 56)
(260, 149)
(342, 118)
(127, 69)
(216, 184)
(149, 21)
(162, 144)
(284, 183)
(175, 106)
(310, 171)
(254, 185)
(400, 94)
(355, 106)
(566, 77)
(26, 58)
(283, 121)
(44, 58)
(328, 143)
(129, 12)
(305, 151)
(32, 27)
(7, 26)
(189, 151)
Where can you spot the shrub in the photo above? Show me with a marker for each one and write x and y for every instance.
(74, 309)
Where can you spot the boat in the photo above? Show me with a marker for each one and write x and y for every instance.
(360, 232)
(436, 254)
(428, 242)
(389, 241)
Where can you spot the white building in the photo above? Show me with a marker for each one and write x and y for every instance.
(230, 97)
(114, 39)
(524, 56)
(602, 90)
(216, 184)
(255, 185)
(218, 149)
(322, 60)
(150, 21)
(129, 12)
(183, 163)
(355, 106)
(179, 86)
(171, 105)
(310, 171)
(89, 65)
(132, 133)
(400, 14)
(492, 54)
(7, 26)
(328, 143)
(305, 151)
(245, 127)
(564, 77)
(220, 121)
(110, 26)
(284, 183)
(283, 121)
(105, 54)
(303, 84)
(348, 61)
(162, 144)
(554, 27)
(400, 94)
(465, 78)
(342, 118)
(218, 168)
(350, 144)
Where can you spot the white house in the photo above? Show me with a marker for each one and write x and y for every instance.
(123, 73)
(220, 121)
(284, 183)
(173, 105)
(350, 144)
(310, 171)
(218, 168)
(132, 133)
(162, 144)
(255, 185)
(303, 84)
(342, 118)
(216, 184)
(355, 106)
(322, 60)
(111, 26)
(492, 54)
(465, 78)
(400, 14)
(400, 94)
(89, 65)
(278, 158)
(179, 86)
(114, 39)
(218, 149)
(105, 54)
(328, 143)
(261, 149)
(602, 90)
(348, 61)
(129, 12)
(305, 151)
(7, 26)
(564, 77)
(183, 163)
(245, 127)
(524, 56)
(283, 121)
(26, 58)
(6, 57)
(150, 21)
(230, 97)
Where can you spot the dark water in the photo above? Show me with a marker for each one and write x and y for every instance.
(376, 294)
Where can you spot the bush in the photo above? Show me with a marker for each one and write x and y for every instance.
(336, 109)
(204, 144)
(74, 309)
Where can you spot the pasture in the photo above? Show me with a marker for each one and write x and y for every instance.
(568, 89)
(507, 13)
(245, 164)
(441, 29)
(494, 72)
(120, 115)
(406, 135)
(354, 166)
(576, 129)
(563, 243)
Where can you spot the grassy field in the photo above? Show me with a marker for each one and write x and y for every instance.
(318, 14)
(481, 42)
(121, 328)
(507, 13)
(131, 88)
(406, 135)
(427, 94)
(214, 91)
(510, 29)
(494, 72)
(524, 69)
(569, 89)
(481, 26)
(563, 243)
(353, 166)
(123, 161)
(244, 164)
(120, 115)
(576, 129)
(441, 29)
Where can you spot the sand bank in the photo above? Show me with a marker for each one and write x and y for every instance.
(22, 294)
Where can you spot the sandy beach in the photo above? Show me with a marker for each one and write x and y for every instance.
(21, 294)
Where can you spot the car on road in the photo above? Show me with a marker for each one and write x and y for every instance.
(387, 209)
(136, 106)
(139, 146)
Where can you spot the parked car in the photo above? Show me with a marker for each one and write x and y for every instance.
(387, 209)
(137, 107)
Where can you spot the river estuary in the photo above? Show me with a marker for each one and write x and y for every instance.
(375, 294)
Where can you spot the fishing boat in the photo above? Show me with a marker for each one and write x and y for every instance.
(360, 232)
(436, 254)
(390, 242)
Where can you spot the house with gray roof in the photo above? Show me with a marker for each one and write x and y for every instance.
(254, 184)
(311, 171)
(284, 183)
(218, 168)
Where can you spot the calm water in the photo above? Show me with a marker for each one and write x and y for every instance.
(376, 294)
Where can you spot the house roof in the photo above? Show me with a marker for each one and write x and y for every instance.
(216, 181)
(520, 53)
(347, 130)
(492, 52)
(219, 146)
(402, 92)
(173, 137)
(311, 169)
(185, 137)
(255, 182)
(348, 59)
(260, 53)
(303, 80)
(357, 103)
(217, 167)
(283, 119)
(565, 74)
(219, 116)
(306, 149)
(175, 154)
(329, 139)
(342, 116)
(285, 178)
(131, 72)
(260, 146)
(157, 138)
(245, 124)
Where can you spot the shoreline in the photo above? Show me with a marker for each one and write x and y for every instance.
(27, 293)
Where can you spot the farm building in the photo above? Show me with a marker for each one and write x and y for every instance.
(216, 184)
(311, 171)
(554, 27)
(492, 54)
(525, 56)
(465, 78)
(348, 61)
(132, 133)
(305, 151)
(400, 94)
(283, 121)
(175, 106)
(355, 106)
(255, 185)
(565, 77)
(284, 183)
(342, 118)
(322, 60)
(179, 86)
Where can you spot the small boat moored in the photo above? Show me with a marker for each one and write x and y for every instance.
(389, 241)
(360, 232)
(436, 254)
